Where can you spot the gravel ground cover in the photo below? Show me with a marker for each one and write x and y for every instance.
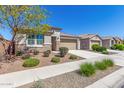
(73, 79)
(16, 65)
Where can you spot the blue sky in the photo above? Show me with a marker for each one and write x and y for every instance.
(102, 20)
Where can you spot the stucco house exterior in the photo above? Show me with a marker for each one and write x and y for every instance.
(6, 44)
(87, 40)
(118, 40)
(48, 41)
(54, 39)
(108, 41)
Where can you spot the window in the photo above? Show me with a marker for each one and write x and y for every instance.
(31, 39)
(35, 40)
(39, 39)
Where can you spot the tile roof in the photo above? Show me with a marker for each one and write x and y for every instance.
(107, 37)
(117, 38)
(84, 36)
(68, 35)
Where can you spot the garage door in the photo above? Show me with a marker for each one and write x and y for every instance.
(69, 43)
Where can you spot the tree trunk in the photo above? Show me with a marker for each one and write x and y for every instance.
(11, 48)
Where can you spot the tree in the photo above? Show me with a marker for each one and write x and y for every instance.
(24, 19)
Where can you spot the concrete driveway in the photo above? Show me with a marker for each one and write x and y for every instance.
(118, 58)
(118, 52)
(85, 54)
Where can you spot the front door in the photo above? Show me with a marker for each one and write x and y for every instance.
(53, 43)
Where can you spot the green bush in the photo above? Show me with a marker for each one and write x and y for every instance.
(95, 47)
(73, 57)
(35, 52)
(108, 62)
(114, 47)
(101, 49)
(87, 69)
(105, 52)
(98, 48)
(55, 60)
(31, 62)
(118, 46)
(37, 84)
(19, 53)
(100, 65)
(49, 51)
(46, 53)
(25, 56)
(63, 51)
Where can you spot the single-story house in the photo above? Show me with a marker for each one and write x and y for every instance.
(48, 41)
(54, 39)
(108, 41)
(87, 40)
(118, 40)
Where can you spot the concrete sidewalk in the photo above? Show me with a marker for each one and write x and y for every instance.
(16, 79)
(114, 80)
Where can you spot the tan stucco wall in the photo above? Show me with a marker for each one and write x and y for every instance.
(47, 39)
(40, 49)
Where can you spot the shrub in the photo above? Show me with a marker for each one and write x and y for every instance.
(108, 62)
(98, 48)
(114, 47)
(63, 51)
(105, 52)
(19, 53)
(100, 65)
(35, 52)
(49, 51)
(46, 53)
(73, 57)
(25, 56)
(87, 69)
(55, 59)
(118, 46)
(95, 47)
(101, 49)
(31, 62)
(37, 84)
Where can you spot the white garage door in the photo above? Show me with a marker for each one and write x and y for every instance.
(69, 43)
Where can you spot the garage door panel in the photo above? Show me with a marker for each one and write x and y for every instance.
(70, 44)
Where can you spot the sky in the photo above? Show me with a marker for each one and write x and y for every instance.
(101, 20)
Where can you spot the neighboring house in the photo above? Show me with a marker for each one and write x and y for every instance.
(48, 41)
(87, 40)
(6, 44)
(69, 41)
(108, 41)
(118, 40)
